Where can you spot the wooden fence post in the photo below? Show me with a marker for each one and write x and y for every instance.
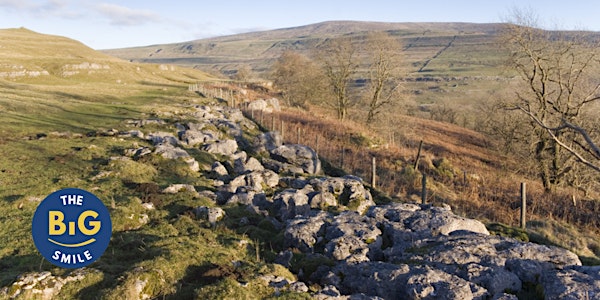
(373, 171)
(424, 189)
(282, 130)
(298, 134)
(317, 146)
(342, 158)
(416, 166)
(523, 205)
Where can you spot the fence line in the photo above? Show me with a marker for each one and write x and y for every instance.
(394, 180)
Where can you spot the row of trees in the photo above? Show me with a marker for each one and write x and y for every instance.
(335, 66)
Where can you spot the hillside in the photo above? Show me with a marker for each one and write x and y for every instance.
(455, 64)
(27, 56)
(57, 82)
(422, 42)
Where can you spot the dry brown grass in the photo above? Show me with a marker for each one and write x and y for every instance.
(475, 180)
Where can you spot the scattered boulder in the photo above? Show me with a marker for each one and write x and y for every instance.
(158, 138)
(138, 152)
(304, 232)
(289, 203)
(322, 200)
(194, 137)
(267, 141)
(44, 285)
(169, 151)
(244, 166)
(218, 171)
(211, 214)
(298, 155)
(259, 105)
(350, 192)
(224, 147)
(176, 188)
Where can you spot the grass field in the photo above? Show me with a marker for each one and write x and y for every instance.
(53, 135)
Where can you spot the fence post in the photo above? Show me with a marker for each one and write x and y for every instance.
(424, 189)
(416, 166)
(523, 205)
(342, 158)
(298, 133)
(373, 171)
(282, 130)
(317, 146)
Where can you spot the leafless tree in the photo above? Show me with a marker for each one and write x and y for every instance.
(559, 85)
(298, 78)
(383, 63)
(243, 73)
(338, 58)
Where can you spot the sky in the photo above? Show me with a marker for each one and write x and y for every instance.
(128, 23)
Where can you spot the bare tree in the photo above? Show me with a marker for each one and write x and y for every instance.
(384, 58)
(243, 73)
(558, 86)
(338, 59)
(298, 78)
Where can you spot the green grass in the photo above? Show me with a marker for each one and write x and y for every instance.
(169, 247)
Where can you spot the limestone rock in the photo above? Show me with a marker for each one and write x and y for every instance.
(289, 203)
(44, 285)
(574, 282)
(350, 192)
(169, 151)
(267, 141)
(194, 137)
(298, 155)
(218, 171)
(224, 147)
(323, 200)
(176, 188)
(158, 138)
(304, 232)
(211, 214)
(243, 166)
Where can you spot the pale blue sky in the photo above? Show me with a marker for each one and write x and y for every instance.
(114, 24)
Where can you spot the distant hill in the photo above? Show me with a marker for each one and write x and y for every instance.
(26, 55)
(465, 48)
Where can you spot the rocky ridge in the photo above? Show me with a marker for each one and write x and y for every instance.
(334, 235)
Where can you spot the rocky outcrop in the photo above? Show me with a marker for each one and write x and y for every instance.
(395, 251)
(268, 105)
(44, 285)
(410, 251)
(298, 156)
(357, 249)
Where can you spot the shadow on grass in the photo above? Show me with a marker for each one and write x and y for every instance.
(12, 198)
(15, 265)
(201, 275)
(126, 249)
